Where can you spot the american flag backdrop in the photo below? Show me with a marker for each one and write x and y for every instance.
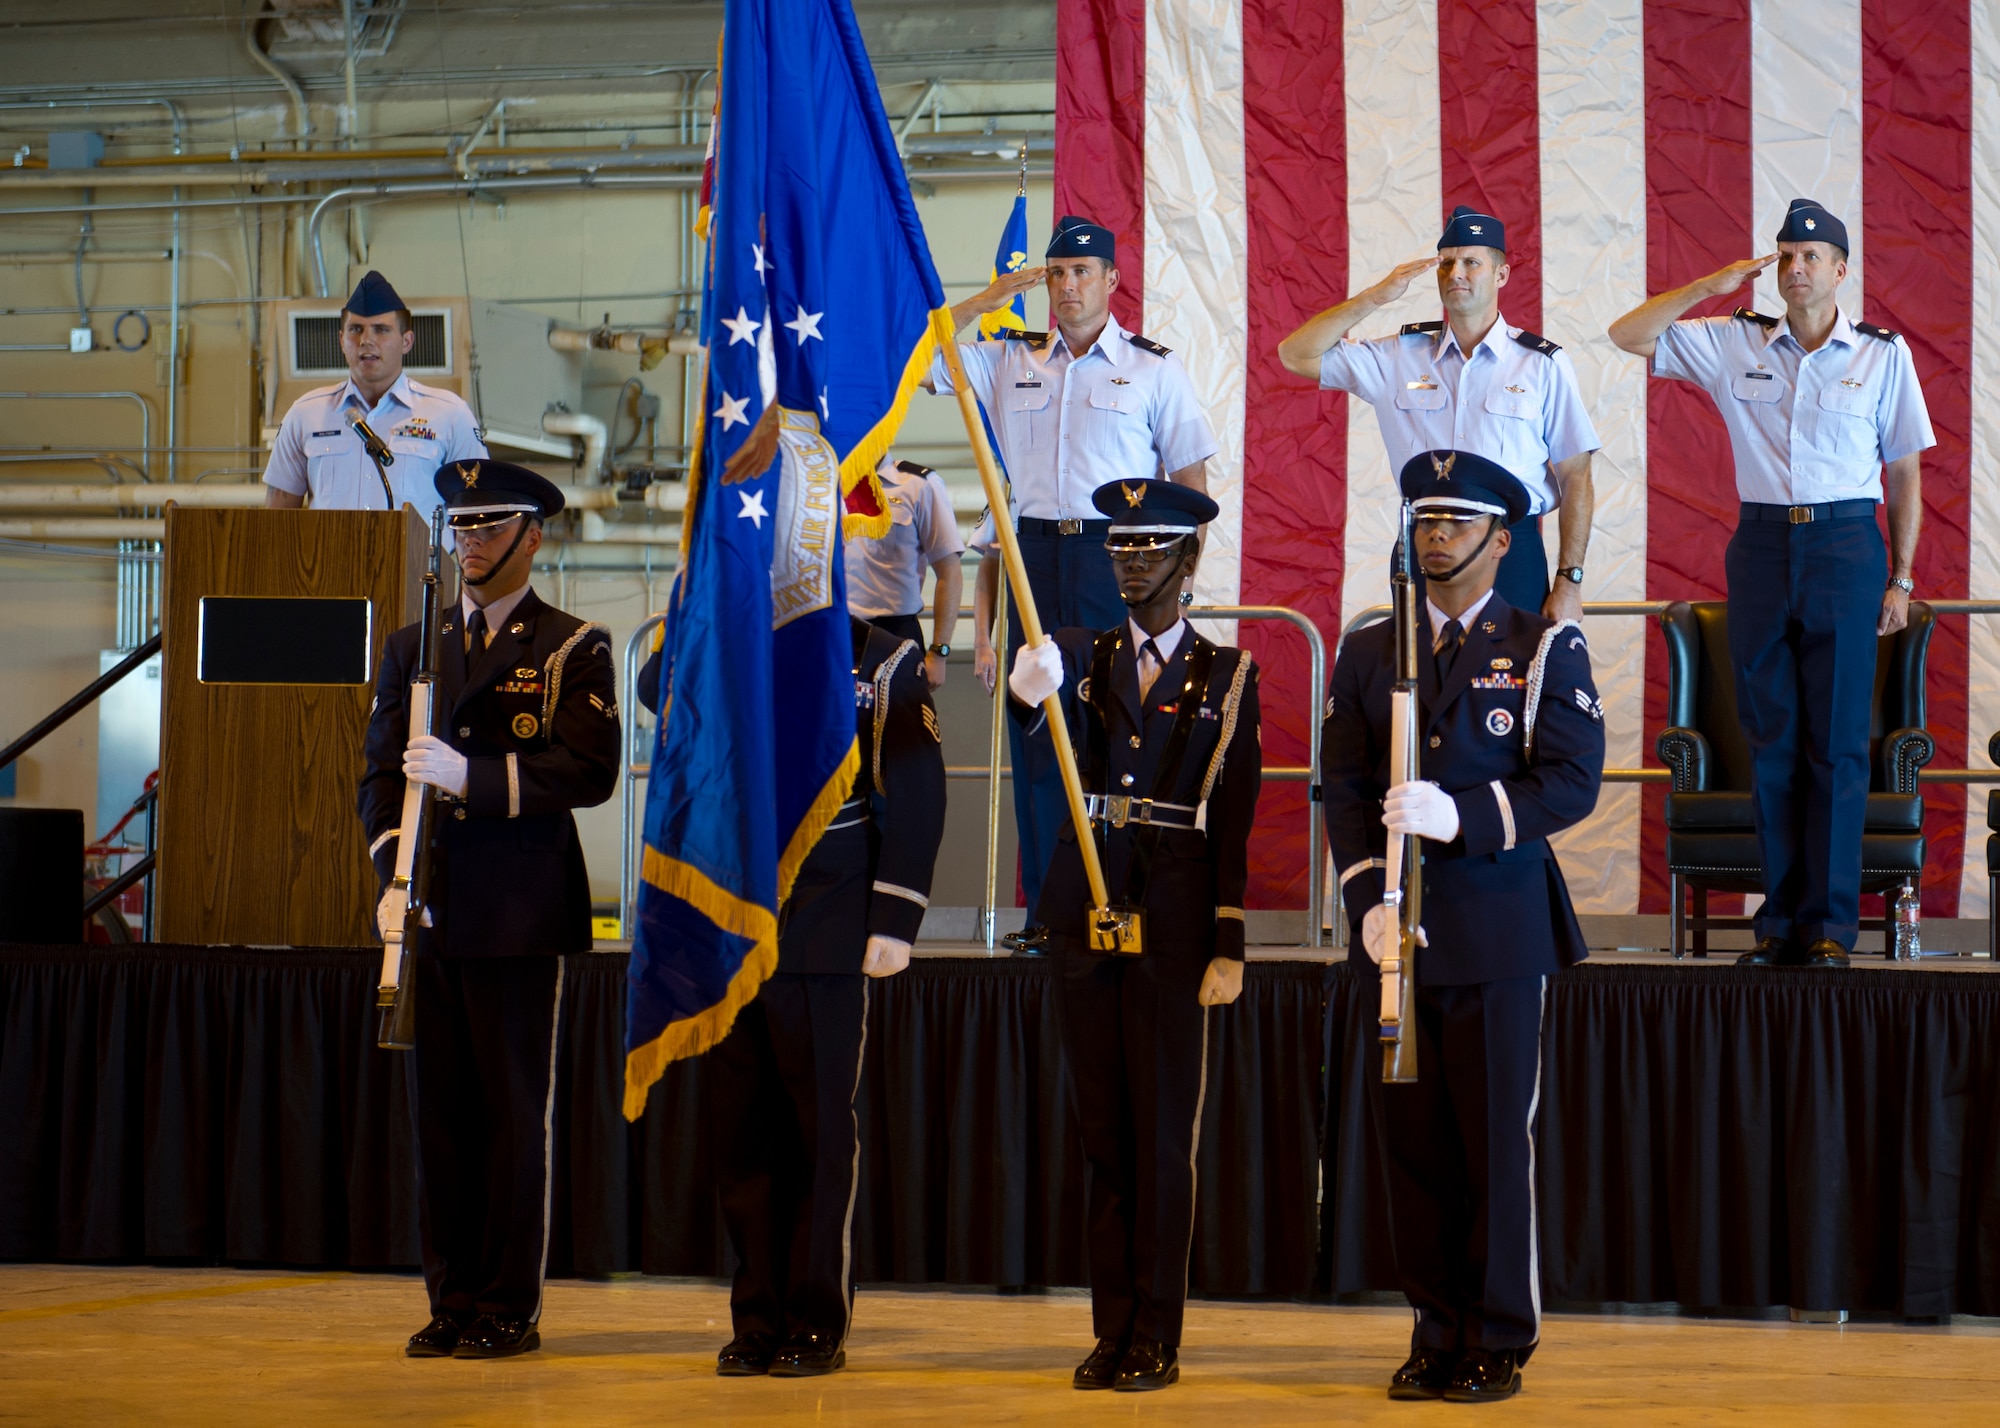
(1261, 159)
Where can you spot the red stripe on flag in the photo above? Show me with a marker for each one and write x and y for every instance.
(1698, 217)
(1916, 85)
(1100, 169)
(1294, 437)
(1489, 112)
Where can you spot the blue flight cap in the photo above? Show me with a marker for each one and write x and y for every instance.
(372, 297)
(1806, 222)
(485, 492)
(1469, 228)
(1080, 238)
(1151, 512)
(1463, 486)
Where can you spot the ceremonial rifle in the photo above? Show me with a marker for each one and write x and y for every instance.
(410, 886)
(1403, 887)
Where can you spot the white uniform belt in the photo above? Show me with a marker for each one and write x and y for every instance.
(1117, 809)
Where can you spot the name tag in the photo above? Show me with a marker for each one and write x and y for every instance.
(1757, 376)
(1027, 384)
(318, 434)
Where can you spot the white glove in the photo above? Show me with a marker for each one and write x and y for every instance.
(1222, 983)
(1377, 928)
(1421, 809)
(389, 913)
(886, 956)
(431, 760)
(1038, 672)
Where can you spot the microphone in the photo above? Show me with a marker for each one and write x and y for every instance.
(378, 450)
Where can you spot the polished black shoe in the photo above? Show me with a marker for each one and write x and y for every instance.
(1769, 952)
(746, 1356)
(1100, 1370)
(808, 1356)
(492, 1337)
(435, 1340)
(1147, 1365)
(1826, 953)
(1425, 1374)
(1485, 1376)
(1029, 941)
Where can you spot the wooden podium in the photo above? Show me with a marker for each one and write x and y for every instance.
(273, 622)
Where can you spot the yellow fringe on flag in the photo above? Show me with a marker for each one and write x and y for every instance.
(860, 463)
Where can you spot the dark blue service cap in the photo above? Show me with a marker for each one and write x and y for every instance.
(1469, 228)
(372, 297)
(1152, 512)
(1464, 485)
(1806, 222)
(486, 492)
(1080, 238)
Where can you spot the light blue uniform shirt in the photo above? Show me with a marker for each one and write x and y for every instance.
(885, 574)
(1513, 404)
(1066, 425)
(318, 455)
(1805, 427)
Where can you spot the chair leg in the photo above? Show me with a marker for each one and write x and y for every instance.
(1700, 920)
(1677, 919)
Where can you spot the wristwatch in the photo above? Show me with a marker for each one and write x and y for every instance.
(1572, 573)
(941, 651)
(1904, 584)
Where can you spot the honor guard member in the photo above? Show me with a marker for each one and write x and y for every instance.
(1819, 408)
(1071, 410)
(885, 575)
(1472, 383)
(319, 454)
(1166, 729)
(781, 1084)
(1511, 747)
(527, 730)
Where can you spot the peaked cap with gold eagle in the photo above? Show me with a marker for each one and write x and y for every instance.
(1151, 512)
(485, 493)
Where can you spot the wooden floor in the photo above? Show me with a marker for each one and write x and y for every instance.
(205, 1346)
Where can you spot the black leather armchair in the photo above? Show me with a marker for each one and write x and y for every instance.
(1711, 838)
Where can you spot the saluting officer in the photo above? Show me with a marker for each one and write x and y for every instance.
(1166, 727)
(1072, 409)
(781, 1084)
(317, 453)
(1512, 751)
(1819, 409)
(1472, 383)
(527, 730)
(885, 574)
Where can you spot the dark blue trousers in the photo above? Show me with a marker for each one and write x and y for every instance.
(1070, 578)
(1803, 602)
(1523, 577)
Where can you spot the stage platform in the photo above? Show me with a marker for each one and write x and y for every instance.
(92, 1345)
(1716, 1137)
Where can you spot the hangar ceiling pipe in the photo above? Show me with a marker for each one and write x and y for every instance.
(581, 424)
(301, 111)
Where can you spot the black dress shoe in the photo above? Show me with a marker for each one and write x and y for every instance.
(435, 1340)
(1769, 952)
(492, 1337)
(1100, 1370)
(1147, 1365)
(808, 1356)
(1029, 941)
(1425, 1374)
(1826, 953)
(1485, 1376)
(746, 1356)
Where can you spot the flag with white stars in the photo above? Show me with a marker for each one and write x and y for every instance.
(820, 314)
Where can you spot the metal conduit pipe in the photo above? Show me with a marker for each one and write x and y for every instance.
(589, 429)
(301, 111)
(145, 412)
(82, 528)
(629, 340)
(63, 496)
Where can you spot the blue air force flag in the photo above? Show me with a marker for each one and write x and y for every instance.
(820, 314)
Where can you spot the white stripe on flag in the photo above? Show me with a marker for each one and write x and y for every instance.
(1593, 146)
(1805, 125)
(1395, 210)
(1983, 526)
(1197, 261)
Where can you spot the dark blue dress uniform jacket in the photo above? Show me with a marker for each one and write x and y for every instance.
(1194, 893)
(536, 716)
(1494, 902)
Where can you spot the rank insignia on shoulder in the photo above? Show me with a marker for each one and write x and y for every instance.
(1146, 344)
(1535, 342)
(526, 726)
(864, 694)
(1749, 314)
(1499, 723)
(609, 711)
(1884, 334)
(1420, 329)
(1501, 663)
(1021, 334)
(930, 723)
(1329, 708)
(911, 468)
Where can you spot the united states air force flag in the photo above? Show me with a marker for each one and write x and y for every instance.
(820, 313)
(1011, 257)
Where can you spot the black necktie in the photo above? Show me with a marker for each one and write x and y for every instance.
(1146, 681)
(1447, 650)
(475, 635)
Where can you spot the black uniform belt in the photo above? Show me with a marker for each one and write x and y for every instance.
(1115, 810)
(1036, 526)
(1805, 515)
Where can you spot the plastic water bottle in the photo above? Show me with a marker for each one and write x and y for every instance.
(1909, 936)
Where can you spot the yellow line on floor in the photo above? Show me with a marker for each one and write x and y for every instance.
(127, 1301)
